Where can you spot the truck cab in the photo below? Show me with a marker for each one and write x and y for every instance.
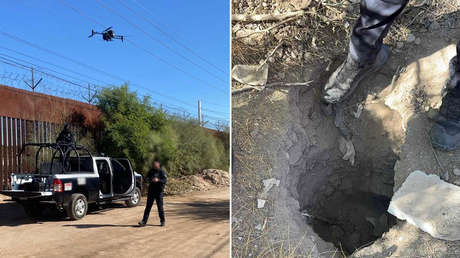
(70, 177)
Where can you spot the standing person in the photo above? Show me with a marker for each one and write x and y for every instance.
(156, 178)
(65, 140)
(367, 54)
(65, 137)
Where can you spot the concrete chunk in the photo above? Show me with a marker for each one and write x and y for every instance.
(430, 204)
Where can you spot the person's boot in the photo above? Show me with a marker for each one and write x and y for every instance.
(346, 78)
(141, 223)
(162, 224)
(445, 133)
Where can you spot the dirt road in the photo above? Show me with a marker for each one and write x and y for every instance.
(197, 226)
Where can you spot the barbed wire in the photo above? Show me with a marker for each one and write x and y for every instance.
(51, 85)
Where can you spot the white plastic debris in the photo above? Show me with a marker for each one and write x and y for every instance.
(430, 204)
(260, 203)
(358, 112)
(255, 75)
(347, 149)
(259, 227)
(269, 183)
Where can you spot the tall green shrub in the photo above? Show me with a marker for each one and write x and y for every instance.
(128, 123)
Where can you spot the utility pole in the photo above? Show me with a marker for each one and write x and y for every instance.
(33, 86)
(199, 113)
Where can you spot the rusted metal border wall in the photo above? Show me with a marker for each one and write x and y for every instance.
(33, 117)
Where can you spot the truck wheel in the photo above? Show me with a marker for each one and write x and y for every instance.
(135, 199)
(32, 210)
(77, 207)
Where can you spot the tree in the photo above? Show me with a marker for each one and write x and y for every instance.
(128, 123)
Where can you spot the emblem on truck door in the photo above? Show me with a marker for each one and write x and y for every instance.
(68, 187)
(81, 181)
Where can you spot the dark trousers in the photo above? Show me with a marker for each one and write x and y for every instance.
(372, 26)
(154, 195)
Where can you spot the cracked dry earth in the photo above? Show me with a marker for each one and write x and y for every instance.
(324, 206)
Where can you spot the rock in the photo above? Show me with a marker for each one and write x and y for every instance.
(260, 203)
(399, 45)
(445, 177)
(269, 183)
(434, 26)
(410, 38)
(347, 149)
(251, 74)
(417, 41)
(456, 171)
(430, 204)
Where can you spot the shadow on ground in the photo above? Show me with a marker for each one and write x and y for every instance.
(214, 211)
(12, 214)
(84, 226)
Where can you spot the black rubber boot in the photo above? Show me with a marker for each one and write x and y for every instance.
(445, 133)
(141, 223)
(346, 78)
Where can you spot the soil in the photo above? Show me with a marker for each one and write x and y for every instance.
(207, 179)
(197, 226)
(323, 199)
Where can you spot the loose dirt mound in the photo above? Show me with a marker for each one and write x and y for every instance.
(209, 179)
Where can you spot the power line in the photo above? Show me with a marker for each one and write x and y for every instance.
(25, 67)
(55, 65)
(13, 63)
(81, 13)
(169, 35)
(86, 66)
(59, 55)
(92, 78)
(164, 44)
(180, 69)
(34, 65)
(145, 50)
(72, 93)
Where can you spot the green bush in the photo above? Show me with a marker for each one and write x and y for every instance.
(128, 123)
(133, 128)
(197, 149)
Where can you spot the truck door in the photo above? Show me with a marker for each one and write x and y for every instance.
(123, 176)
(105, 177)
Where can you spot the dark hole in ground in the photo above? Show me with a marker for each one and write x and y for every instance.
(344, 204)
(344, 212)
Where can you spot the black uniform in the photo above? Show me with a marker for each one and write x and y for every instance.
(372, 26)
(155, 193)
(65, 138)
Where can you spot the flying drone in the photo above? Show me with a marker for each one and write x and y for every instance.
(107, 34)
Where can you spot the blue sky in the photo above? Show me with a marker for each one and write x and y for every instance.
(183, 79)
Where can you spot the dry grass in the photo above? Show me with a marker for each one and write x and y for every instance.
(321, 34)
